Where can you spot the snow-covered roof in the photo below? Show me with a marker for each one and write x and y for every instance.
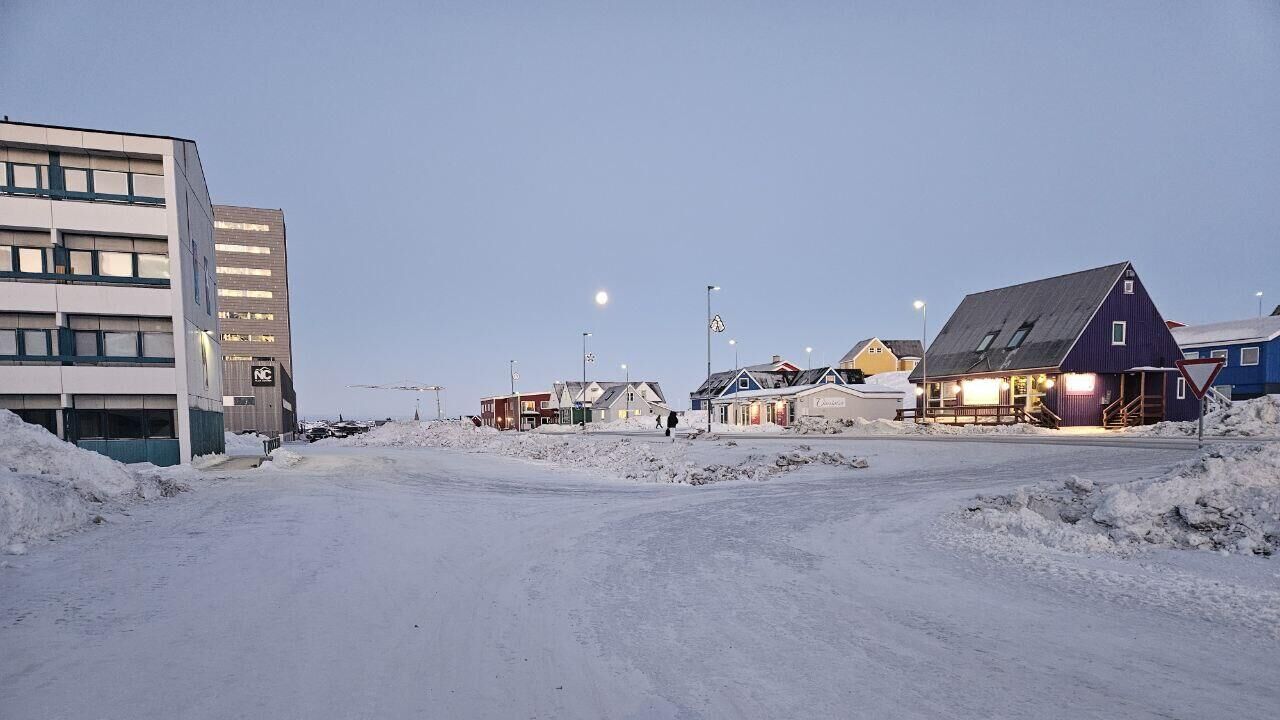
(1260, 329)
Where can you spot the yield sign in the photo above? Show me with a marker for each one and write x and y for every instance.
(717, 325)
(1200, 373)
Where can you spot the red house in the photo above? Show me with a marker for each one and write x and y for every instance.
(501, 411)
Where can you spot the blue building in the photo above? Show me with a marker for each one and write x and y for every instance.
(1251, 349)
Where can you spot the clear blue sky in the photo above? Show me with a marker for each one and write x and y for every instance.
(460, 179)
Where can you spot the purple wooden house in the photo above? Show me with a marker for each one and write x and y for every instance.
(1087, 348)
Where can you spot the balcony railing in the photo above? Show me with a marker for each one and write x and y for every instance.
(70, 183)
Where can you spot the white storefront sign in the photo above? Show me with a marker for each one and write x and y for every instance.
(828, 402)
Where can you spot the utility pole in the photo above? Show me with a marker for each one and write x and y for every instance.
(923, 307)
(511, 369)
(707, 402)
(628, 390)
(585, 335)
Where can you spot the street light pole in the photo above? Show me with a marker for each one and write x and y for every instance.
(923, 307)
(736, 368)
(707, 402)
(1259, 294)
(583, 417)
(628, 389)
(511, 370)
(809, 351)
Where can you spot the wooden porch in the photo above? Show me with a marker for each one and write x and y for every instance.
(981, 415)
(1135, 405)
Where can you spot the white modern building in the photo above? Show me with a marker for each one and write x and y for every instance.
(108, 292)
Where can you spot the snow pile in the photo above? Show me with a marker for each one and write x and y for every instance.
(247, 444)
(896, 380)
(1259, 417)
(1227, 500)
(281, 459)
(619, 457)
(48, 486)
(809, 425)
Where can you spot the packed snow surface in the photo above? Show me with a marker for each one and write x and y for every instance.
(48, 486)
(406, 581)
(1259, 417)
(666, 462)
(1226, 500)
(861, 426)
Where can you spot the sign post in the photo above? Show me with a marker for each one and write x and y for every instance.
(1199, 375)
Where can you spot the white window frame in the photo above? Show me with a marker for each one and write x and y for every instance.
(1124, 334)
(744, 384)
(1182, 388)
(1225, 356)
(1128, 287)
(1191, 355)
(1257, 356)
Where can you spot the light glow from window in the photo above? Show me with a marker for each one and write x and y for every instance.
(250, 249)
(229, 292)
(1079, 383)
(984, 391)
(251, 227)
(256, 272)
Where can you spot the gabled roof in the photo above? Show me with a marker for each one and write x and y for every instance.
(1261, 329)
(795, 390)
(900, 348)
(1276, 312)
(905, 348)
(1056, 309)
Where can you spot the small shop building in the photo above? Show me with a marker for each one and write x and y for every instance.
(1086, 348)
(833, 400)
(874, 355)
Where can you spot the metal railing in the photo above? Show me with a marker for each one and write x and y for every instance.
(270, 444)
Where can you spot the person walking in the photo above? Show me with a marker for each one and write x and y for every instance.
(671, 422)
(658, 417)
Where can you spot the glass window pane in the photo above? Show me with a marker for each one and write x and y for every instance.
(148, 185)
(109, 182)
(153, 266)
(124, 424)
(76, 179)
(89, 425)
(26, 176)
(160, 423)
(36, 342)
(120, 344)
(157, 345)
(6, 258)
(30, 260)
(86, 343)
(115, 264)
(81, 262)
(8, 342)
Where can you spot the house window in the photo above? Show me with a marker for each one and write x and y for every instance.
(744, 384)
(30, 260)
(1119, 332)
(115, 264)
(1019, 336)
(545, 404)
(1182, 388)
(8, 342)
(1219, 354)
(986, 341)
(1191, 355)
(1128, 287)
(1249, 356)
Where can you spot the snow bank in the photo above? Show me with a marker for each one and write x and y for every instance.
(48, 486)
(247, 444)
(1226, 500)
(1259, 417)
(618, 457)
(281, 459)
(860, 426)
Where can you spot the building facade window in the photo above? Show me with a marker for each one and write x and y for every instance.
(245, 315)
(1182, 388)
(81, 183)
(1128, 287)
(1119, 332)
(1019, 336)
(1219, 354)
(255, 272)
(231, 292)
(250, 227)
(249, 249)
(124, 424)
(986, 341)
(240, 337)
(1191, 355)
(1249, 356)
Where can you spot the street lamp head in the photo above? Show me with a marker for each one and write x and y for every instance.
(733, 342)
(602, 298)
(624, 366)
(713, 287)
(808, 349)
(586, 334)
(1258, 294)
(918, 304)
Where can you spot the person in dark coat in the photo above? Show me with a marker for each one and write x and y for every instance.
(671, 422)
(658, 417)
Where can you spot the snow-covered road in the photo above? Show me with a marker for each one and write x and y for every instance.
(395, 583)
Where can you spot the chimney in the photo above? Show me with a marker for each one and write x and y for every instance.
(777, 358)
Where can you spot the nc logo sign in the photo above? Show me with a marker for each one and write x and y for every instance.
(263, 375)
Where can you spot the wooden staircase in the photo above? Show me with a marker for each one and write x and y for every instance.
(1141, 410)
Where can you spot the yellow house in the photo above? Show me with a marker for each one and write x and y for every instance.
(874, 355)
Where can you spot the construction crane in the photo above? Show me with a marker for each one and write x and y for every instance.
(411, 388)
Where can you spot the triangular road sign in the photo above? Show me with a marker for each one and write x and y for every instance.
(1200, 373)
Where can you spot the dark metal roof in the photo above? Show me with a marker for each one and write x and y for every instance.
(905, 348)
(1058, 309)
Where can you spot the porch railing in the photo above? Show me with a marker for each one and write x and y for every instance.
(978, 414)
